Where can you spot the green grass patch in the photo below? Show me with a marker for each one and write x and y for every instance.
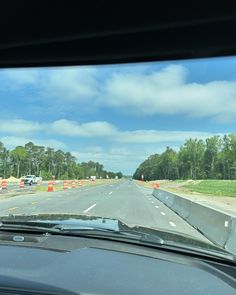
(214, 187)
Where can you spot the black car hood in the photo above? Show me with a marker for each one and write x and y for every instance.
(88, 221)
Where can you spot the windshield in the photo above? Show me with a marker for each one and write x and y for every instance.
(151, 145)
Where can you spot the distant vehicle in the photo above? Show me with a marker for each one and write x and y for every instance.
(93, 178)
(31, 179)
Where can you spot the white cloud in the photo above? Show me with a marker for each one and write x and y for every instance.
(22, 76)
(20, 127)
(167, 92)
(156, 136)
(13, 141)
(95, 129)
(90, 129)
(67, 84)
(60, 127)
(139, 91)
(71, 84)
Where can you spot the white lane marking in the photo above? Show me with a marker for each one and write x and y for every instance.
(152, 202)
(172, 223)
(89, 208)
(110, 193)
(157, 206)
(163, 213)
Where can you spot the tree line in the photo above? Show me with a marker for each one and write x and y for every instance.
(213, 158)
(47, 162)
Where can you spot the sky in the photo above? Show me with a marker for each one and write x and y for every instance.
(118, 115)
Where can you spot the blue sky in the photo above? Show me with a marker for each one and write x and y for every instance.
(118, 115)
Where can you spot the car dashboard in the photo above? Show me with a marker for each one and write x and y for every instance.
(54, 264)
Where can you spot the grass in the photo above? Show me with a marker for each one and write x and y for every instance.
(214, 187)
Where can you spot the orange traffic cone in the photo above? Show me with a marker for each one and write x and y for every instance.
(50, 186)
(79, 183)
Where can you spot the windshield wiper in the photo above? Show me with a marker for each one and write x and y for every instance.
(28, 227)
(82, 231)
(126, 235)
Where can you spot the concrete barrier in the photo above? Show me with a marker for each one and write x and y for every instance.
(217, 226)
(231, 242)
(165, 197)
(182, 206)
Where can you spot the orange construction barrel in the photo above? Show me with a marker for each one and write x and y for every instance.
(65, 185)
(4, 184)
(72, 184)
(22, 183)
(156, 185)
(50, 186)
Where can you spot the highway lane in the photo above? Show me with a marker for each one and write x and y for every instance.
(124, 200)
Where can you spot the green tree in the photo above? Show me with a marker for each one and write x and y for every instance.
(18, 155)
(191, 159)
(211, 157)
(168, 164)
(4, 161)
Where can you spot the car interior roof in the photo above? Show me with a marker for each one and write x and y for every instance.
(51, 33)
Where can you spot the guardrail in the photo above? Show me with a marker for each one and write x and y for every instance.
(217, 226)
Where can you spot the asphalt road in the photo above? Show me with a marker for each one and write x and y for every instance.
(124, 200)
